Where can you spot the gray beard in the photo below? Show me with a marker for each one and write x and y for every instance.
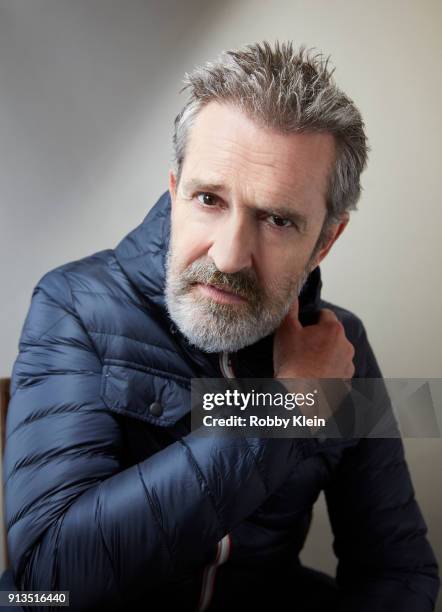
(213, 327)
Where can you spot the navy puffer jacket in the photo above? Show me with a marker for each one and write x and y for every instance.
(110, 496)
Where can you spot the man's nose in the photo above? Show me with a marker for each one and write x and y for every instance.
(232, 245)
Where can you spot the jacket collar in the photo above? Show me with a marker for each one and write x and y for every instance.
(142, 255)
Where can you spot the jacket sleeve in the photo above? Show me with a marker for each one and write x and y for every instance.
(76, 519)
(385, 561)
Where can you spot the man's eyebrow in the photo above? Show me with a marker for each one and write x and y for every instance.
(197, 185)
(283, 211)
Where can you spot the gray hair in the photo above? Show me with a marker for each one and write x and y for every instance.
(290, 91)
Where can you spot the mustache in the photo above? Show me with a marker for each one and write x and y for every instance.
(243, 283)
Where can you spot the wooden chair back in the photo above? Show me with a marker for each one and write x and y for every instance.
(4, 403)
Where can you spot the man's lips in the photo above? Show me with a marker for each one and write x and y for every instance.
(220, 295)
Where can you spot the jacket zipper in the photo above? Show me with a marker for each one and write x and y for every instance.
(225, 544)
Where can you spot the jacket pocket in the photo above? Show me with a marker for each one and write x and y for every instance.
(144, 393)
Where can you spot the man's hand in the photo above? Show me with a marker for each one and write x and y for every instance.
(316, 351)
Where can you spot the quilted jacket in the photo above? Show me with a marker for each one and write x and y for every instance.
(110, 495)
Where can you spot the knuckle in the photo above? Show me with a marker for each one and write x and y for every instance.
(336, 326)
(351, 349)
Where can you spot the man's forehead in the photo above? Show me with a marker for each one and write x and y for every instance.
(224, 143)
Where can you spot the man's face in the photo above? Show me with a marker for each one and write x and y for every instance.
(246, 216)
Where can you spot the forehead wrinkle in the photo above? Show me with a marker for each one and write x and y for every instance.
(221, 172)
(229, 161)
(285, 200)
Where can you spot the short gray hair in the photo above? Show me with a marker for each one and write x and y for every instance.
(290, 91)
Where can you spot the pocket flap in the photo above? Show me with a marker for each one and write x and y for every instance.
(145, 393)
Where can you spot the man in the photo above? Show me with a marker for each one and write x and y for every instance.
(108, 493)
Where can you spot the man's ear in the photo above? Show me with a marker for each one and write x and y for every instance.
(172, 185)
(332, 233)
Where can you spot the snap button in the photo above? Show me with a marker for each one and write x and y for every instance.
(156, 409)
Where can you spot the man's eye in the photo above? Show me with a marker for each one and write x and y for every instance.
(279, 221)
(207, 199)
